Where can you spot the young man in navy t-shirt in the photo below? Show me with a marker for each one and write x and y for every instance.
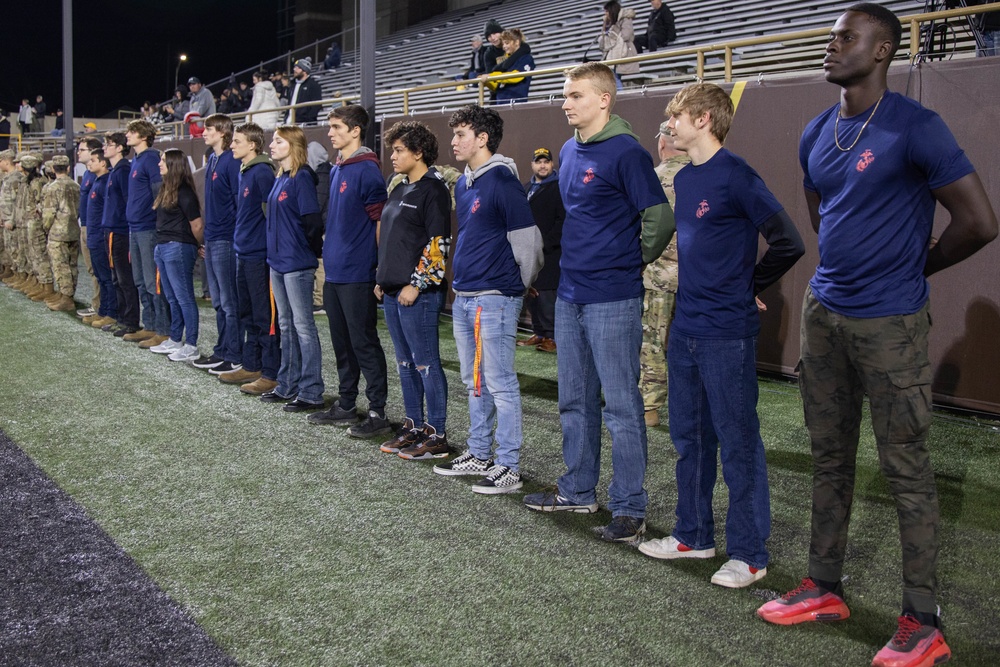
(875, 165)
(498, 253)
(722, 209)
(350, 253)
(617, 220)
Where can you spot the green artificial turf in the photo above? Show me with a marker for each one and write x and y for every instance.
(296, 545)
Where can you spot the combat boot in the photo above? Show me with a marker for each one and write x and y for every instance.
(6, 273)
(42, 294)
(18, 280)
(63, 304)
(28, 284)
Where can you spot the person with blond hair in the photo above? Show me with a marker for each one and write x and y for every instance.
(517, 58)
(294, 241)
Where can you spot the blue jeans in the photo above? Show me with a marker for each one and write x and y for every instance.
(155, 311)
(414, 332)
(176, 263)
(713, 412)
(220, 264)
(494, 394)
(598, 347)
(300, 373)
(261, 351)
(991, 44)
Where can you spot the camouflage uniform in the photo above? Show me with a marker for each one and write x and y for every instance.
(59, 211)
(5, 257)
(28, 219)
(8, 198)
(660, 281)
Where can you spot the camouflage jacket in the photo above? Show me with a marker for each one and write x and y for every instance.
(9, 186)
(661, 275)
(60, 200)
(28, 204)
(448, 174)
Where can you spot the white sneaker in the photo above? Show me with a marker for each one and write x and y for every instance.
(669, 548)
(737, 574)
(184, 353)
(166, 347)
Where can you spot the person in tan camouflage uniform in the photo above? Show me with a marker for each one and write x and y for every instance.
(59, 220)
(8, 195)
(660, 281)
(28, 220)
(6, 262)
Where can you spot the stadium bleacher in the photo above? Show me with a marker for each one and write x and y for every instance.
(560, 32)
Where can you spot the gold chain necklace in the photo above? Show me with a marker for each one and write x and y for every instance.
(836, 127)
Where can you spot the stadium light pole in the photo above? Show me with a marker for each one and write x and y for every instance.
(177, 72)
(67, 30)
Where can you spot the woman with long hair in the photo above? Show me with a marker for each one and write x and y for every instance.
(517, 58)
(617, 38)
(265, 97)
(294, 241)
(179, 233)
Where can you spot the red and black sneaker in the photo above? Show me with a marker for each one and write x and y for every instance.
(808, 602)
(913, 645)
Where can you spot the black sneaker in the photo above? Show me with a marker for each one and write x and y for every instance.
(374, 424)
(224, 367)
(622, 529)
(500, 479)
(318, 310)
(121, 331)
(407, 435)
(433, 445)
(110, 327)
(298, 405)
(336, 416)
(551, 501)
(465, 464)
(208, 362)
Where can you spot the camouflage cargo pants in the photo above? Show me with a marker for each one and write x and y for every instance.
(19, 250)
(95, 301)
(657, 312)
(65, 258)
(844, 358)
(38, 252)
(4, 254)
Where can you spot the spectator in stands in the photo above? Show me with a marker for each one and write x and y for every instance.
(25, 116)
(548, 212)
(177, 108)
(147, 109)
(228, 103)
(414, 236)
(264, 98)
(245, 95)
(616, 39)
(261, 353)
(612, 199)
(194, 124)
(179, 232)
(333, 55)
(517, 58)
(866, 319)
(38, 125)
(4, 131)
(493, 51)
(202, 101)
(306, 90)
(660, 29)
(294, 241)
(499, 253)
(988, 25)
(59, 130)
(476, 64)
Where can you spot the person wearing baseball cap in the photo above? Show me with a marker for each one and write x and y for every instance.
(202, 101)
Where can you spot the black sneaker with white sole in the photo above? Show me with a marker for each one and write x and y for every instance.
(374, 424)
(336, 416)
(204, 362)
(225, 367)
(500, 479)
(465, 464)
(623, 529)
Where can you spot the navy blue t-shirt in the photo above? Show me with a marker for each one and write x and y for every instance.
(494, 205)
(250, 238)
(876, 208)
(95, 211)
(350, 253)
(113, 219)
(145, 174)
(222, 177)
(290, 198)
(605, 187)
(88, 182)
(719, 210)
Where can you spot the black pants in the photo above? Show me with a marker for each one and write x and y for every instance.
(543, 313)
(353, 314)
(125, 290)
(650, 42)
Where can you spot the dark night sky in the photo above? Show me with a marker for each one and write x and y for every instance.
(125, 52)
